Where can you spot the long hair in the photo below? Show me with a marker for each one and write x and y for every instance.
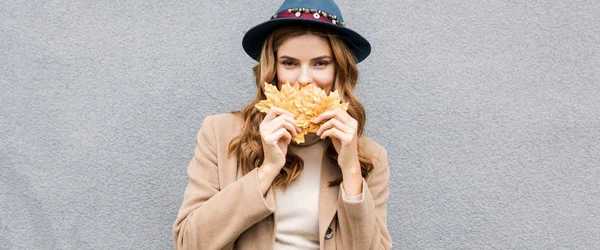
(248, 145)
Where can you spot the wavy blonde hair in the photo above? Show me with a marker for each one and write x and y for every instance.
(248, 145)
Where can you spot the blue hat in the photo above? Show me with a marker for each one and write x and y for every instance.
(315, 12)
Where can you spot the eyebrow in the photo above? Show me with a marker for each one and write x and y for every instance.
(314, 59)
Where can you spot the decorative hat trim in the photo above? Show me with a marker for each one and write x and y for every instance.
(306, 13)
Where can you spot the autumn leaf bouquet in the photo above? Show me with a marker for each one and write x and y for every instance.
(306, 103)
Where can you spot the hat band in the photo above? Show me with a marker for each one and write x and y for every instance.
(309, 14)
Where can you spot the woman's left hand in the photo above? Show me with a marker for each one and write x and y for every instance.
(342, 129)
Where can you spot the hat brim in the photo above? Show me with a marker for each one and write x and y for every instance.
(254, 38)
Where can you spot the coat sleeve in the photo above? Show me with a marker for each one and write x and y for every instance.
(211, 217)
(363, 223)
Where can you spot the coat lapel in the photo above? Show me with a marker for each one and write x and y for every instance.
(328, 196)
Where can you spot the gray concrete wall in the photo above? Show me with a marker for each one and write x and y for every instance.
(490, 111)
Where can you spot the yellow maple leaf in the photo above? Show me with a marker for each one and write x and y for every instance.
(305, 103)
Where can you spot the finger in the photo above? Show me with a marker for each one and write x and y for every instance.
(268, 125)
(275, 137)
(339, 113)
(334, 123)
(285, 118)
(281, 121)
(287, 137)
(289, 127)
(275, 112)
(334, 133)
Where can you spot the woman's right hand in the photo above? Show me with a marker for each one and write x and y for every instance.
(276, 131)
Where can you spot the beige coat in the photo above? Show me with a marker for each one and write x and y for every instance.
(222, 209)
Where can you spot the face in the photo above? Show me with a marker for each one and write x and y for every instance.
(306, 59)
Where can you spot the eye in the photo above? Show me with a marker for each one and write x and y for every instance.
(288, 63)
(321, 63)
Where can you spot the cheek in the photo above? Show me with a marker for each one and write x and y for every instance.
(325, 80)
(284, 75)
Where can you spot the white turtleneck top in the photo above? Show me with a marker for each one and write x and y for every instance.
(297, 207)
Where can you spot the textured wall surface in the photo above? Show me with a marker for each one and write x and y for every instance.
(490, 111)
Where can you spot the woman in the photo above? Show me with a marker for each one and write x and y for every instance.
(251, 187)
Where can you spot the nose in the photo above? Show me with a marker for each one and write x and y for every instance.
(305, 77)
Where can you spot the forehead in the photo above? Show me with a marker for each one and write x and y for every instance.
(305, 46)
